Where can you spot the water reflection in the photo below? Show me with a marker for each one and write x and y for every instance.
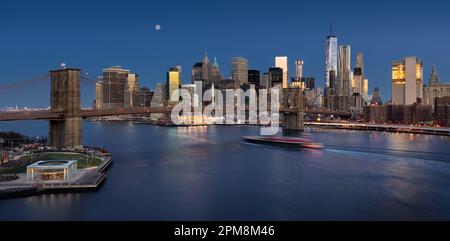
(208, 173)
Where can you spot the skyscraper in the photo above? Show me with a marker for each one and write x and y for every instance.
(358, 75)
(435, 89)
(331, 44)
(376, 97)
(158, 99)
(298, 80)
(180, 71)
(264, 81)
(143, 97)
(333, 83)
(133, 89)
(275, 76)
(206, 70)
(344, 71)
(407, 76)
(115, 87)
(358, 81)
(298, 69)
(359, 62)
(282, 62)
(99, 93)
(214, 73)
(434, 77)
(253, 78)
(239, 71)
(173, 84)
(365, 93)
(197, 72)
(310, 82)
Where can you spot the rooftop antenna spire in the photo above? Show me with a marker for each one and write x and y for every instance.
(331, 25)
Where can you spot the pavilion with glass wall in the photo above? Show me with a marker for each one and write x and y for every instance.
(51, 170)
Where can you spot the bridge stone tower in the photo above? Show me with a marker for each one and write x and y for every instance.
(293, 109)
(65, 97)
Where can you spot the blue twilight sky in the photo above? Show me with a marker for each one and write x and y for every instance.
(35, 36)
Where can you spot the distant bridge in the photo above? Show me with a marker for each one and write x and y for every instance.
(88, 113)
(91, 113)
(65, 114)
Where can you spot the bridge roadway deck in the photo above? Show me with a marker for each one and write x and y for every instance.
(88, 113)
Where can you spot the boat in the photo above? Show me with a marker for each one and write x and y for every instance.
(291, 142)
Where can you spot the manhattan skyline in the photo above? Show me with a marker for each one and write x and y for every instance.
(37, 37)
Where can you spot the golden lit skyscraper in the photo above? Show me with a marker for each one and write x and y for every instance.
(173, 84)
(133, 88)
(99, 93)
(366, 88)
(407, 76)
(282, 62)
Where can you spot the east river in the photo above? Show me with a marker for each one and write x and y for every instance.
(208, 173)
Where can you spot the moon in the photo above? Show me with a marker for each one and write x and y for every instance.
(157, 27)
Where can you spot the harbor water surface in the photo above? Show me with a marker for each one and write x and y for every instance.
(208, 173)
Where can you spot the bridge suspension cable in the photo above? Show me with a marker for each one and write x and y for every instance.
(88, 80)
(21, 83)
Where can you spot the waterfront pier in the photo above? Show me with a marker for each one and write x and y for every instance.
(383, 127)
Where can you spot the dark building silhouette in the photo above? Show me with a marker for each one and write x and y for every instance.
(310, 82)
(143, 97)
(197, 72)
(275, 76)
(115, 81)
(442, 111)
(398, 114)
(376, 97)
(253, 78)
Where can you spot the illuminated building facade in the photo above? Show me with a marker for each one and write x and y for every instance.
(173, 85)
(365, 93)
(298, 80)
(331, 53)
(299, 69)
(407, 76)
(115, 86)
(282, 62)
(133, 89)
(52, 170)
(99, 94)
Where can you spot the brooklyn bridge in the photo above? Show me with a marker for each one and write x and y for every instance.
(65, 114)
